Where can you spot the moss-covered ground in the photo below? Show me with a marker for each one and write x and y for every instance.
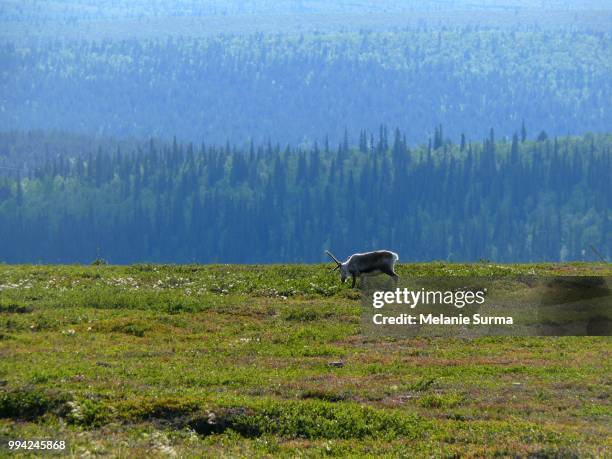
(234, 361)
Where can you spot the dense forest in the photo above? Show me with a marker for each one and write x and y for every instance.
(291, 88)
(507, 200)
(266, 97)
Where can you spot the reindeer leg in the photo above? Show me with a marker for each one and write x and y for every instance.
(362, 280)
(391, 273)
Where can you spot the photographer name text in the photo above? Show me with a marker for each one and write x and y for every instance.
(440, 319)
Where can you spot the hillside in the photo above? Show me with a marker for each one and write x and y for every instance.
(298, 87)
(152, 360)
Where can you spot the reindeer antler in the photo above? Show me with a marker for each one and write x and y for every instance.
(333, 258)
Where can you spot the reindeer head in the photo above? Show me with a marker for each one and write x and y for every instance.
(341, 266)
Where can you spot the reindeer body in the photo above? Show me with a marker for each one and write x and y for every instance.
(364, 264)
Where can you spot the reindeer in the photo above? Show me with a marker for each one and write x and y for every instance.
(362, 264)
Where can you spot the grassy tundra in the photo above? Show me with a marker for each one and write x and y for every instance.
(234, 361)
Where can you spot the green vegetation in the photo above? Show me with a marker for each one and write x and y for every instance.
(509, 201)
(227, 360)
(297, 88)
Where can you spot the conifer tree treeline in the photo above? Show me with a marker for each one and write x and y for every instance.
(510, 201)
